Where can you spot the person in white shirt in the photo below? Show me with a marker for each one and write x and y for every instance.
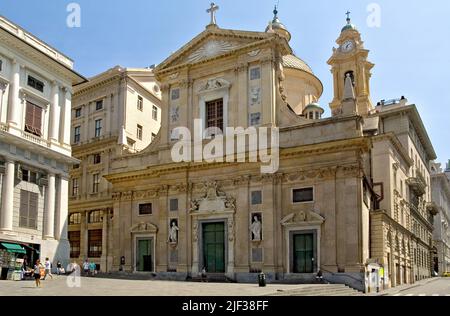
(48, 268)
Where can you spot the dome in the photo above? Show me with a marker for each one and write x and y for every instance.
(277, 27)
(349, 27)
(314, 106)
(293, 62)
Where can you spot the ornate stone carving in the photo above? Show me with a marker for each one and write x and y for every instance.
(254, 53)
(211, 49)
(116, 196)
(302, 217)
(241, 67)
(127, 196)
(173, 76)
(213, 200)
(231, 229)
(195, 231)
(214, 84)
(143, 227)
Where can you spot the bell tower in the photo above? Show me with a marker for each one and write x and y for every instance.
(349, 61)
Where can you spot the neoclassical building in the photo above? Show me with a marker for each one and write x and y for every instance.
(117, 112)
(440, 183)
(329, 206)
(35, 150)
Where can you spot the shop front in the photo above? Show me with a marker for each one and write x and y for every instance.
(16, 259)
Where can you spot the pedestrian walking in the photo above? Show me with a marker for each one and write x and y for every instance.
(86, 267)
(37, 273)
(92, 267)
(48, 268)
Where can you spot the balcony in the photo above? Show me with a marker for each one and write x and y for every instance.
(35, 139)
(417, 183)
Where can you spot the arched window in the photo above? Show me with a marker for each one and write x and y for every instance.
(95, 217)
(75, 219)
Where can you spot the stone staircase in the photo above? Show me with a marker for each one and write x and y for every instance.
(212, 278)
(320, 290)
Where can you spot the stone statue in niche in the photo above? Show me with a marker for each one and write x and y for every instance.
(256, 227)
(255, 95)
(174, 114)
(173, 231)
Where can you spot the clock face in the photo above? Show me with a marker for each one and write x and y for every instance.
(348, 46)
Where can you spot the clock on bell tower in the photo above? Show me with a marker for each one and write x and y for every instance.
(350, 60)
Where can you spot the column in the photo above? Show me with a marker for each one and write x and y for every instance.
(84, 236)
(54, 114)
(50, 200)
(13, 108)
(103, 260)
(2, 94)
(6, 223)
(62, 212)
(108, 106)
(65, 126)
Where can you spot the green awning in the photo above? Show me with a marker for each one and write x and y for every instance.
(14, 248)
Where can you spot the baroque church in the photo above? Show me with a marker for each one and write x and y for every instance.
(339, 203)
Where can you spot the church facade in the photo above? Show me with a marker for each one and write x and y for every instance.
(328, 206)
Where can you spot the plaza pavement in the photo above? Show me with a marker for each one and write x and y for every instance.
(114, 287)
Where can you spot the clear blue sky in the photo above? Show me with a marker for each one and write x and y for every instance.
(411, 49)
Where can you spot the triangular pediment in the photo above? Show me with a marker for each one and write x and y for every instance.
(213, 43)
(302, 218)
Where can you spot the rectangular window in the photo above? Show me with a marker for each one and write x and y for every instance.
(175, 94)
(28, 209)
(214, 114)
(77, 134)
(145, 209)
(75, 243)
(78, 113)
(255, 73)
(76, 166)
(140, 103)
(75, 189)
(29, 176)
(139, 132)
(95, 243)
(256, 198)
(303, 195)
(255, 119)
(99, 105)
(35, 83)
(95, 182)
(97, 159)
(155, 113)
(33, 119)
(98, 128)
(153, 136)
(173, 205)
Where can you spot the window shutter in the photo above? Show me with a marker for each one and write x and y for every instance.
(37, 120)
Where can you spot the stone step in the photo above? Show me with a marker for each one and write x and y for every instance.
(320, 290)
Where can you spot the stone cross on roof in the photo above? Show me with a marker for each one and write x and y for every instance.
(212, 11)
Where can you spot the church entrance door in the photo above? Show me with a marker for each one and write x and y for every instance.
(144, 260)
(303, 253)
(214, 247)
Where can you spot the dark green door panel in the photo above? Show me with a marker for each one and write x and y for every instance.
(214, 247)
(303, 253)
